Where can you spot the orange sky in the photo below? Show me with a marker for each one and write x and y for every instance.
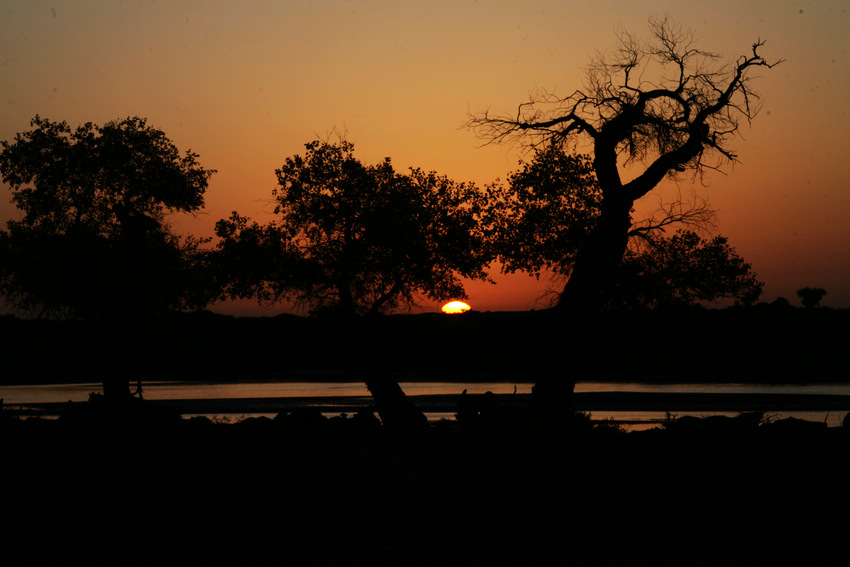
(246, 84)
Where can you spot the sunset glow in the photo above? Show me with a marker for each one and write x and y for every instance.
(456, 307)
(250, 83)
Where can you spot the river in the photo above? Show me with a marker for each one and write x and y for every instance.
(355, 393)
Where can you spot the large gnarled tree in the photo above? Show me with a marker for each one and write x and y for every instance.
(657, 108)
(551, 205)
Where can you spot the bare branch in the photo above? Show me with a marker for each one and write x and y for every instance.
(664, 106)
(695, 215)
(664, 103)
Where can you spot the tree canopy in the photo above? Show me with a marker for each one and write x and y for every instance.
(685, 269)
(810, 296)
(545, 212)
(358, 238)
(93, 240)
(659, 107)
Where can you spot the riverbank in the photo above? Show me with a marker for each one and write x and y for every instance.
(247, 494)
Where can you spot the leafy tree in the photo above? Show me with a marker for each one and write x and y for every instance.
(811, 296)
(659, 108)
(254, 261)
(92, 241)
(685, 269)
(358, 239)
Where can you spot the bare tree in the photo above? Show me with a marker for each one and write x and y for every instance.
(661, 108)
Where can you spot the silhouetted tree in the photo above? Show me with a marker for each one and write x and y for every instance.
(811, 296)
(549, 209)
(551, 206)
(656, 109)
(659, 108)
(354, 239)
(357, 239)
(684, 269)
(92, 242)
(253, 261)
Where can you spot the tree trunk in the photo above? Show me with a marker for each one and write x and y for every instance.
(123, 343)
(593, 274)
(552, 401)
(363, 339)
(116, 388)
(394, 407)
(102, 351)
(596, 267)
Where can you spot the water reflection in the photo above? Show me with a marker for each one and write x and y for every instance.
(714, 388)
(15, 395)
(35, 394)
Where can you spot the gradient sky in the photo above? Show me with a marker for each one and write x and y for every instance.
(246, 84)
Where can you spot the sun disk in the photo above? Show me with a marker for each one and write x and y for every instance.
(456, 307)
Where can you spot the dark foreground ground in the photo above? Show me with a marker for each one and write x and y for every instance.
(249, 495)
(254, 494)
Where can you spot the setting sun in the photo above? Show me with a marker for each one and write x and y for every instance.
(456, 307)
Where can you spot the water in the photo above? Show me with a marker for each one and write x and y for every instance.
(635, 420)
(23, 395)
(17, 395)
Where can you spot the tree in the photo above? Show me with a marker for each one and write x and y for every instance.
(551, 206)
(92, 242)
(684, 269)
(252, 261)
(649, 111)
(352, 239)
(811, 296)
(659, 108)
(358, 239)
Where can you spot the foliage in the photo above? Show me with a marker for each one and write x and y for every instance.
(685, 269)
(356, 238)
(93, 239)
(811, 296)
(254, 261)
(546, 212)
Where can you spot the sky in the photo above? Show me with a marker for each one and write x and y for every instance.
(245, 84)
